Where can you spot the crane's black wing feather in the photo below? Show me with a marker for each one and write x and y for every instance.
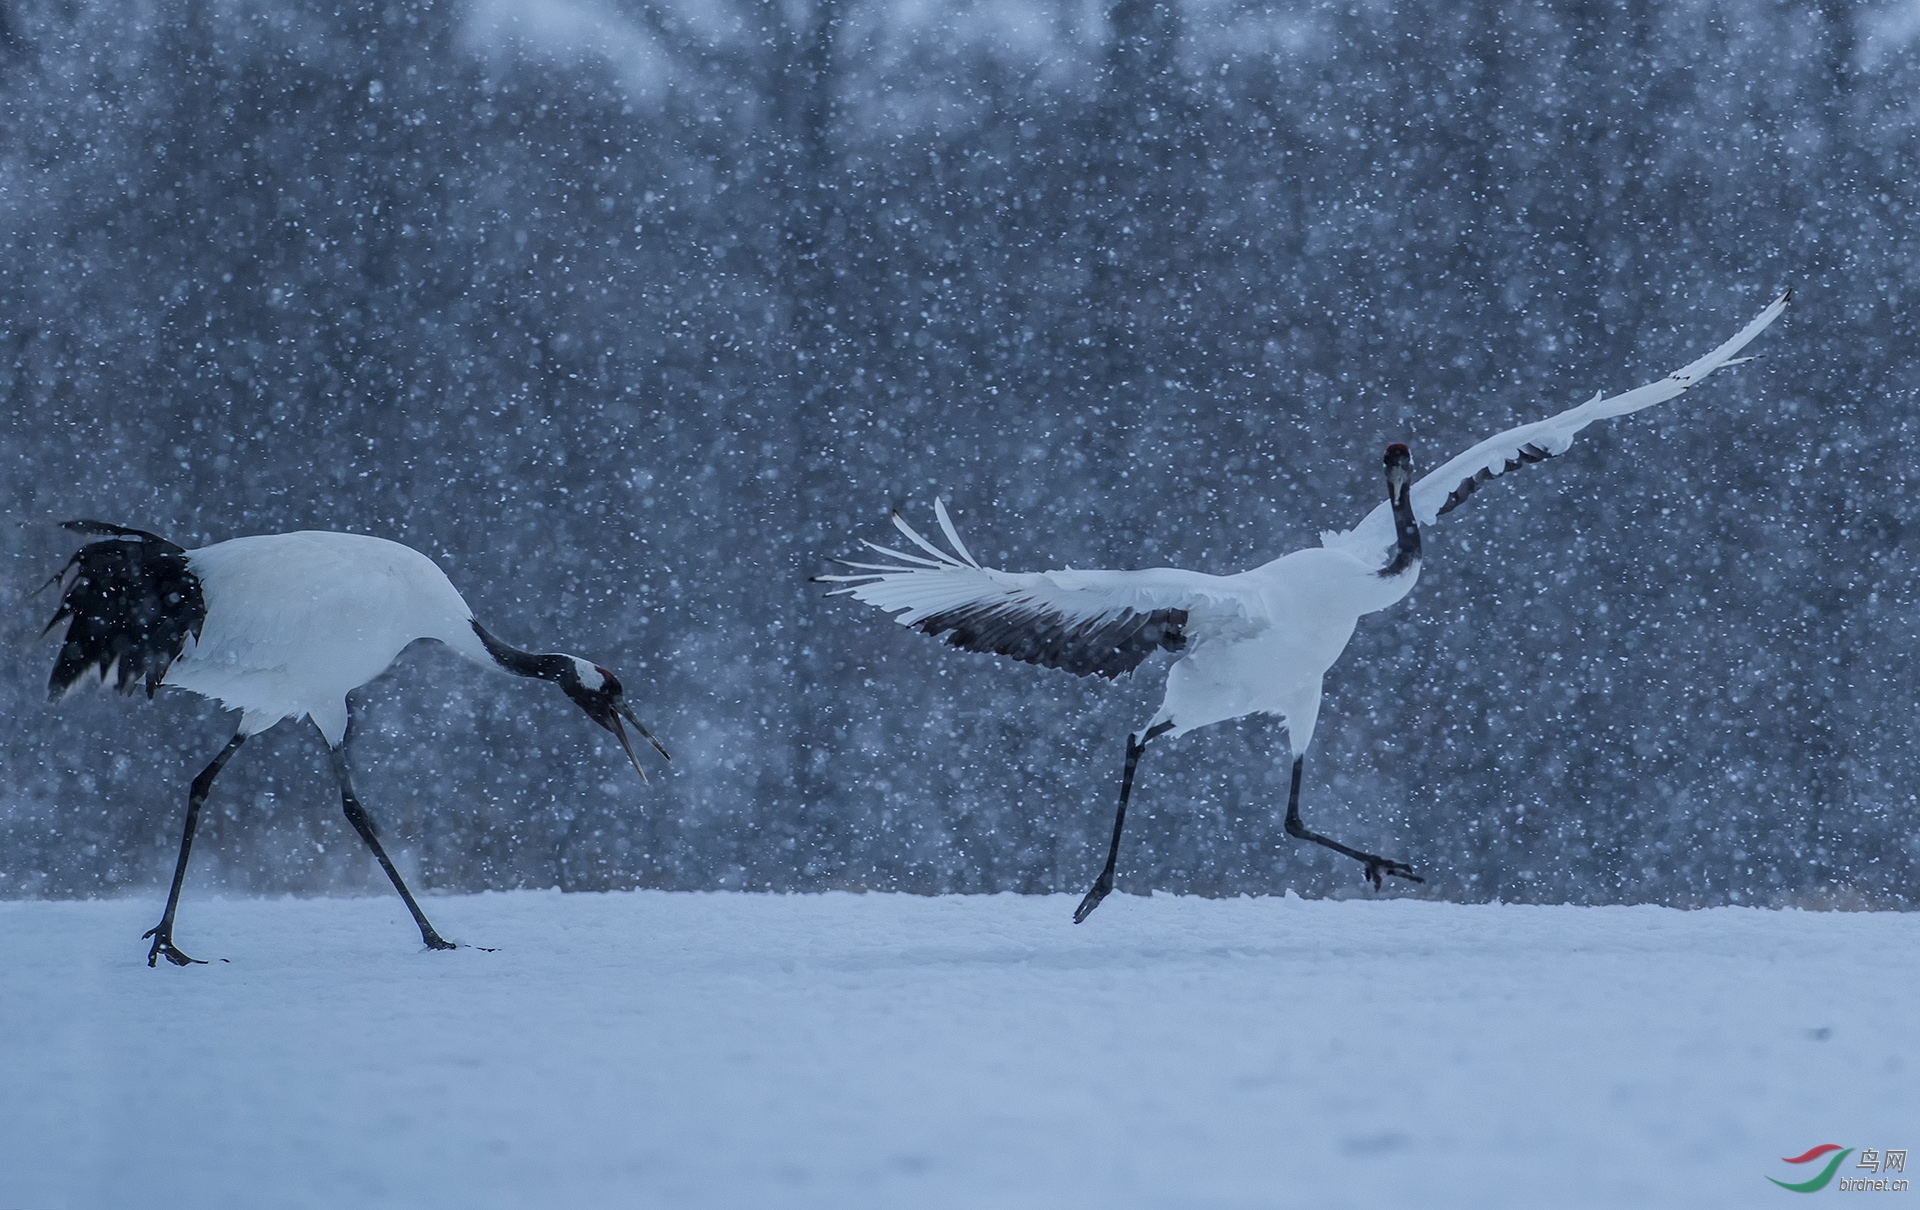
(132, 600)
(1527, 453)
(1029, 631)
(1089, 623)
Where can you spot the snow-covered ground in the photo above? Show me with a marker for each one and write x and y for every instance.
(842, 1051)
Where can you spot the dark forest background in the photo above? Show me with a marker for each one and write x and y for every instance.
(634, 314)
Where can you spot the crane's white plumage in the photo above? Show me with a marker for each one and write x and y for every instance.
(1259, 642)
(297, 621)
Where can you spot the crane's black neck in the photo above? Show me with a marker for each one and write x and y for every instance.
(555, 668)
(1406, 551)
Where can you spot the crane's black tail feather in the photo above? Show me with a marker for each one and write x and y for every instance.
(107, 529)
(133, 600)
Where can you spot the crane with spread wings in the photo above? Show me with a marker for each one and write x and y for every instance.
(1259, 642)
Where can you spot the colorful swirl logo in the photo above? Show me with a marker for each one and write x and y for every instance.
(1816, 1183)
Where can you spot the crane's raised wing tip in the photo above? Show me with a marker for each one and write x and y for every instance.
(953, 535)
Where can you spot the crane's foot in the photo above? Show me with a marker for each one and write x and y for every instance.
(163, 947)
(1100, 891)
(1377, 866)
(435, 941)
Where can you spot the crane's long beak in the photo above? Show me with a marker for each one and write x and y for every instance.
(1398, 476)
(620, 733)
(626, 711)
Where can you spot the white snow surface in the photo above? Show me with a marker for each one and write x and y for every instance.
(733, 1050)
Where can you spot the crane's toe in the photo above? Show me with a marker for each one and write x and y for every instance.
(163, 947)
(1376, 866)
(1092, 900)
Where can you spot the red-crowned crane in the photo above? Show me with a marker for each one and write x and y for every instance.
(281, 626)
(1259, 642)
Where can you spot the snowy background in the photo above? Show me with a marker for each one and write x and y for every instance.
(633, 314)
(843, 1051)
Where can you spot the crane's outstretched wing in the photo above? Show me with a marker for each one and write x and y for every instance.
(1443, 490)
(1090, 623)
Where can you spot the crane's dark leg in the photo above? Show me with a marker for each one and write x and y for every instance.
(1376, 866)
(1103, 885)
(162, 933)
(363, 824)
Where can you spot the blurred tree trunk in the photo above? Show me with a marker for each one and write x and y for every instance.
(11, 43)
(1139, 206)
(1134, 216)
(1484, 136)
(794, 71)
(814, 361)
(1839, 48)
(1837, 596)
(1589, 159)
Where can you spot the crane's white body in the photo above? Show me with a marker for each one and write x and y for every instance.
(297, 621)
(1299, 612)
(1259, 642)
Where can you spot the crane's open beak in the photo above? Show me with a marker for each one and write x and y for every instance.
(622, 710)
(642, 729)
(620, 733)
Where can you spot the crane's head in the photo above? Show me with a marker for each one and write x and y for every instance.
(1399, 472)
(597, 691)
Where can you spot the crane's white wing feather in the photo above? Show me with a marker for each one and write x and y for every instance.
(1444, 489)
(1100, 623)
